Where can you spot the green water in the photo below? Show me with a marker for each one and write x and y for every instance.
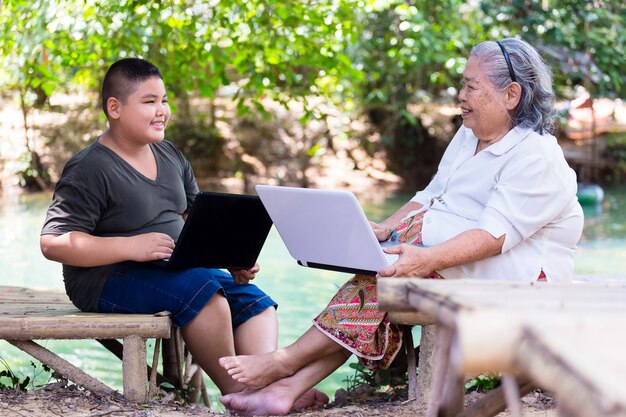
(300, 292)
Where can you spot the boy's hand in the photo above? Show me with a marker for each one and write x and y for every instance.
(150, 247)
(244, 275)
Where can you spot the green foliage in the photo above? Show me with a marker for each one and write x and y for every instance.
(584, 41)
(483, 382)
(284, 49)
(361, 376)
(10, 380)
(412, 52)
(378, 57)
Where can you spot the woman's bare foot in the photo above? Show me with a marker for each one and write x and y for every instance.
(256, 371)
(268, 401)
(313, 399)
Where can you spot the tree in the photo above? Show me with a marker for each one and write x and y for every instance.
(584, 41)
(410, 54)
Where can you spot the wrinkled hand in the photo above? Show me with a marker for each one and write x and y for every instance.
(414, 261)
(382, 232)
(244, 275)
(149, 247)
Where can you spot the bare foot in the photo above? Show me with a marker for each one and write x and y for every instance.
(313, 399)
(256, 371)
(269, 401)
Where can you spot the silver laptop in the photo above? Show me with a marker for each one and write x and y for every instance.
(325, 229)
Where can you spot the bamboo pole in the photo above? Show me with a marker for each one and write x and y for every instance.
(152, 387)
(134, 369)
(62, 366)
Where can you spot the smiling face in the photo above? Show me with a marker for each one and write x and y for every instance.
(483, 107)
(142, 117)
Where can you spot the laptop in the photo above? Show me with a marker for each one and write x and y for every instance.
(221, 231)
(325, 229)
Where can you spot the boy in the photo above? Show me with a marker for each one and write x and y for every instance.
(120, 203)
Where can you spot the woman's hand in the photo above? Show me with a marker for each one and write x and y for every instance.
(382, 232)
(414, 261)
(244, 275)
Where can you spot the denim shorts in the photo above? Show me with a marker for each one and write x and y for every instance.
(144, 288)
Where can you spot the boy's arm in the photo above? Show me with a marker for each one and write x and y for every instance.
(85, 250)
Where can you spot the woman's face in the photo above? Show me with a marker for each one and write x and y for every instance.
(482, 105)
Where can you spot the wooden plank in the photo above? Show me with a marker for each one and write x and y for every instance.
(410, 318)
(433, 296)
(582, 364)
(84, 326)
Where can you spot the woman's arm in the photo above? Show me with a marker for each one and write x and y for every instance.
(469, 246)
(85, 250)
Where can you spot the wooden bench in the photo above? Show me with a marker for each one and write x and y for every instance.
(533, 333)
(27, 315)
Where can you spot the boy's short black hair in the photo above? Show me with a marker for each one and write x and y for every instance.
(123, 76)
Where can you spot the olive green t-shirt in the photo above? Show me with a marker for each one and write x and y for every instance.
(101, 194)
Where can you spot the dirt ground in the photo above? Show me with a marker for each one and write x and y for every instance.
(57, 400)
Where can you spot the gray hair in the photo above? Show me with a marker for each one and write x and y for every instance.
(536, 107)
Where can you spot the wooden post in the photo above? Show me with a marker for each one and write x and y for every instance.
(135, 378)
(426, 363)
(171, 369)
(407, 340)
(454, 387)
(442, 352)
(453, 394)
(153, 384)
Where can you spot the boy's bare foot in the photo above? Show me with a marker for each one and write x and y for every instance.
(268, 401)
(256, 371)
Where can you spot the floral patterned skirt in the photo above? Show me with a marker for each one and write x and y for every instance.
(352, 318)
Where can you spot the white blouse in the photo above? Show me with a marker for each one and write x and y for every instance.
(521, 187)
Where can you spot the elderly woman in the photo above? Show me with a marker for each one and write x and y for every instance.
(502, 206)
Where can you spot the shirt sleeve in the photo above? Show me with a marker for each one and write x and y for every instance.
(526, 197)
(73, 208)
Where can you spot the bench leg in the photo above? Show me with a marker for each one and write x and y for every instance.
(134, 369)
(426, 361)
(444, 339)
(453, 393)
(411, 365)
